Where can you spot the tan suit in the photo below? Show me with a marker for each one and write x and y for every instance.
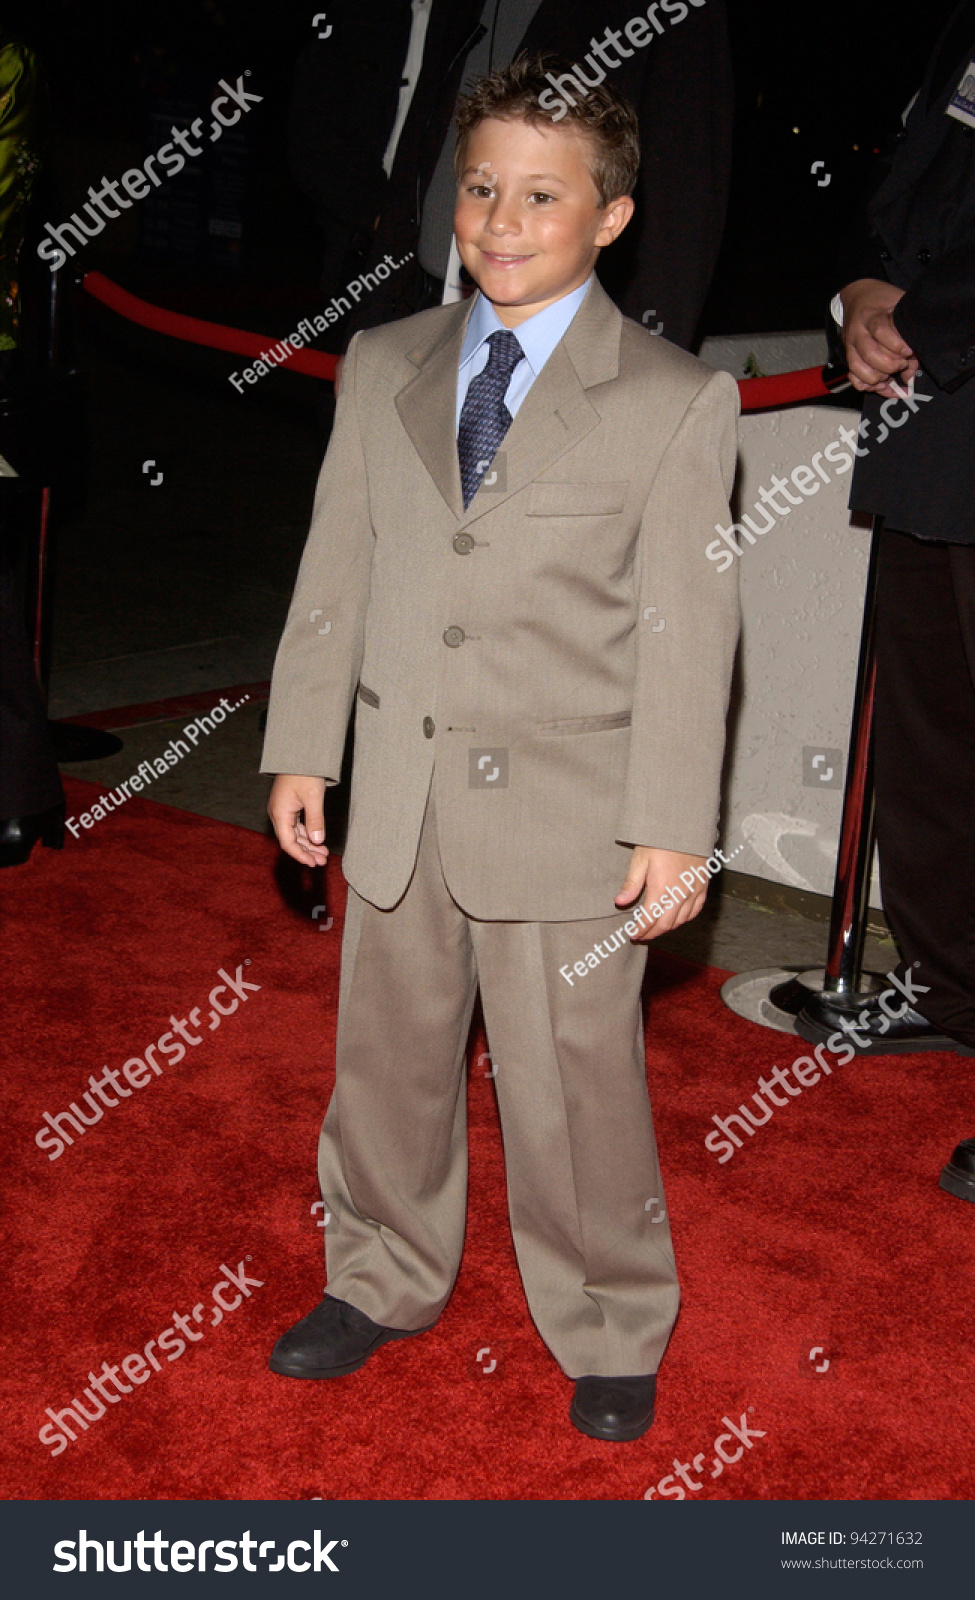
(542, 683)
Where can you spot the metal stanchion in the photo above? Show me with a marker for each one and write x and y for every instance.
(775, 996)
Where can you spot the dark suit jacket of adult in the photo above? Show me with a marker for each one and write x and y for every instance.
(344, 100)
(681, 86)
(920, 234)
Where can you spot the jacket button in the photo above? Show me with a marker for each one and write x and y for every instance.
(924, 256)
(429, 728)
(463, 544)
(885, 255)
(454, 637)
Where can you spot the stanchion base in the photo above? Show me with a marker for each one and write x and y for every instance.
(72, 742)
(748, 995)
(774, 996)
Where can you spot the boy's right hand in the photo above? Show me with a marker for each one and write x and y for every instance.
(303, 840)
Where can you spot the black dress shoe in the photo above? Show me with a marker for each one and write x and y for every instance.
(331, 1341)
(613, 1408)
(958, 1177)
(879, 1033)
(18, 835)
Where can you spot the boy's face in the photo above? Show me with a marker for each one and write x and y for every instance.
(528, 221)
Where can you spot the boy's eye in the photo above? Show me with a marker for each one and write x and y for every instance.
(541, 195)
(481, 190)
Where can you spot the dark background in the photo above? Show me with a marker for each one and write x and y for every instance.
(840, 73)
(159, 591)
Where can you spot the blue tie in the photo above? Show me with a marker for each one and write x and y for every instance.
(485, 419)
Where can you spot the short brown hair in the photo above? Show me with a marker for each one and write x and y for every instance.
(514, 95)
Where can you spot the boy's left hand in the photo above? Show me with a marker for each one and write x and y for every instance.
(651, 871)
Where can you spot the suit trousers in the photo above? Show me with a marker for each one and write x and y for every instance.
(924, 752)
(584, 1189)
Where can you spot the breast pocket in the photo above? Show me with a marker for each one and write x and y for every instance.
(570, 725)
(576, 499)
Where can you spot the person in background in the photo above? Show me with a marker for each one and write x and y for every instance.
(906, 316)
(372, 135)
(31, 795)
(348, 91)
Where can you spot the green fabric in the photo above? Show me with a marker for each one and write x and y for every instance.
(19, 163)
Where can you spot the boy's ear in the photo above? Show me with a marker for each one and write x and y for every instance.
(615, 217)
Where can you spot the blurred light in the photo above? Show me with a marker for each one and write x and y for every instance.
(856, 147)
(795, 130)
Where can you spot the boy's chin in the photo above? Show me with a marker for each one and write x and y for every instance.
(507, 295)
(502, 289)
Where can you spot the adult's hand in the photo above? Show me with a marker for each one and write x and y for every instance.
(302, 839)
(875, 351)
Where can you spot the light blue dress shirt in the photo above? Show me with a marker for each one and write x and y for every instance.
(537, 335)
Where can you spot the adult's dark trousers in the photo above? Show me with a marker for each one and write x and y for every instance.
(924, 747)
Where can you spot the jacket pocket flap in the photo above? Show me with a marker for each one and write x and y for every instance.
(612, 719)
(576, 499)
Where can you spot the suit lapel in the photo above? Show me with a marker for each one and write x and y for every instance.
(556, 412)
(555, 415)
(428, 403)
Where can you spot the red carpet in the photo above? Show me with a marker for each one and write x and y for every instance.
(827, 1229)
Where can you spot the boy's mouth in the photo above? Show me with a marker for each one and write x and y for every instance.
(504, 261)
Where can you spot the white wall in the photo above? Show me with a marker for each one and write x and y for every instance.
(802, 587)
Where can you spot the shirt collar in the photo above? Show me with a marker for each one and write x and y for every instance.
(537, 335)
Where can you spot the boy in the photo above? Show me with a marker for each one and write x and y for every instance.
(505, 567)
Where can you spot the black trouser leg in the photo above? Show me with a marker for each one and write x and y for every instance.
(924, 744)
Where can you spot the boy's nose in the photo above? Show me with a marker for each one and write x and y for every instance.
(502, 220)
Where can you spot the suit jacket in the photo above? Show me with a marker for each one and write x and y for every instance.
(343, 105)
(556, 659)
(920, 234)
(682, 89)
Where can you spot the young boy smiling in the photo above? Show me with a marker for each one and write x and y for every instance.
(504, 572)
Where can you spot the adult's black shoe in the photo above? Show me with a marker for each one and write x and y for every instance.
(332, 1341)
(958, 1176)
(875, 1031)
(18, 835)
(613, 1408)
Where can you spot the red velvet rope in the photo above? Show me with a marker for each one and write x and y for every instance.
(782, 389)
(757, 394)
(195, 331)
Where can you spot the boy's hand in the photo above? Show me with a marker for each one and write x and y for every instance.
(303, 840)
(650, 873)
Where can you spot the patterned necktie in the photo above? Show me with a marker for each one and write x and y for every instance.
(485, 419)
